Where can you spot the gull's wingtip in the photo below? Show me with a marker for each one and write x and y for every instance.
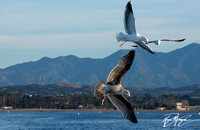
(183, 39)
(128, 5)
(155, 54)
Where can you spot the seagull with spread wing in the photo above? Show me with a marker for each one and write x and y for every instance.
(114, 90)
(133, 36)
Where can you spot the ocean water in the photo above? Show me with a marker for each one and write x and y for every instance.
(94, 120)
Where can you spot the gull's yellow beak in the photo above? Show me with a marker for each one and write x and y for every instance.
(147, 42)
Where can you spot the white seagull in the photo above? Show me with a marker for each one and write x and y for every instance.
(114, 90)
(132, 35)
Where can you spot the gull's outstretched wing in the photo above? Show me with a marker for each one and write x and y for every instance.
(129, 20)
(173, 40)
(157, 42)
(121, 68)
(124, 106)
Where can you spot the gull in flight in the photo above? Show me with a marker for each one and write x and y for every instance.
(114, 90)
(132, 35)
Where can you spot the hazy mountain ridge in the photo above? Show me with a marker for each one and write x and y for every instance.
(192, 90)
(178, 68)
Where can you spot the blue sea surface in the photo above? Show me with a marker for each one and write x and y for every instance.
(91, 120)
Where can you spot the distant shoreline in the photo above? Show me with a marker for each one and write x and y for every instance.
(85, 110)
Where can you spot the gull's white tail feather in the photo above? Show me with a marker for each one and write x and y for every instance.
(97, 92)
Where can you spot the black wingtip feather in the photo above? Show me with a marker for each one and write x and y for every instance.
(130, 115)
(132, 55)
(128, 6)
(182, 40)
(132, 118)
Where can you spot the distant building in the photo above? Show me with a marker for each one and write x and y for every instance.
(179, 106)
(161, 108)
(193, 108)
(6, 108)
(195, 97)
(80, 107)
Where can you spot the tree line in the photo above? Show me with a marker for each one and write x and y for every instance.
(89, 101)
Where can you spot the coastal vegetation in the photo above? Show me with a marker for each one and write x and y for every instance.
(88, 101)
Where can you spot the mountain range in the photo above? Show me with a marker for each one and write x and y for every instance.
(192, 90)
(174, 69)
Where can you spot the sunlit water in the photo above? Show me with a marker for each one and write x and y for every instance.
(89, 120)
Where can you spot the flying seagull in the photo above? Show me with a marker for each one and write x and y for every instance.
(114, 90)
(132, 35)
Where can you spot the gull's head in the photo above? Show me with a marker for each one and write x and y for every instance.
(126, 92)
(157, 42)
(145, 40)
(120, 36)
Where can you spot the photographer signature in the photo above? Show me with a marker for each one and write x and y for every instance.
(174, 118)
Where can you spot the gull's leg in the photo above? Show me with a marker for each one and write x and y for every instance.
(103, 100)
(122, 44)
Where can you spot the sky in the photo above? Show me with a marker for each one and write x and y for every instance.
(32, 29)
